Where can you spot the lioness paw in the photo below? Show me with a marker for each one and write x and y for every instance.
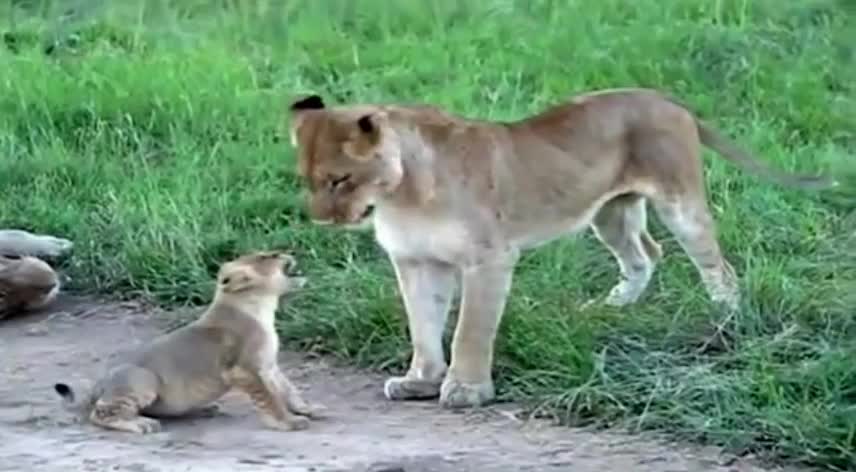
(406, 388)
(456, 394)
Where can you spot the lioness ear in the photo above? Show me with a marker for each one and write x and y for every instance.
(365, 135)
(311, 102)
(369, 126)
(235, 281)
(366, 125)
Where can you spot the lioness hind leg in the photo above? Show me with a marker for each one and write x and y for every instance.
(621, 225)
(689, 219)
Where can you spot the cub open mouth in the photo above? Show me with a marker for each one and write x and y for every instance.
(367, 212)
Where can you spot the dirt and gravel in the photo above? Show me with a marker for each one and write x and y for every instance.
(363, 432)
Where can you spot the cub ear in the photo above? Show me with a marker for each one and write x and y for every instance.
(311, 102)
(235, 281)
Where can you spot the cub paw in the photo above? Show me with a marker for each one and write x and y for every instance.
(143, 425)
(406, 388)
(296, 423)
(312, 410)
(455, 394)
(208, 411)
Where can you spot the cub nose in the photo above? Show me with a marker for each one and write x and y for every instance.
(289, 263)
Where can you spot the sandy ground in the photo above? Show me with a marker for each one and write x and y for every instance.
(363, 432)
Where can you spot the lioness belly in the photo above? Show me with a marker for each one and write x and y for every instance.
(540, 226)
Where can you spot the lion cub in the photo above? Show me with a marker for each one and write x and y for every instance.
(232, 345)
(26, 283)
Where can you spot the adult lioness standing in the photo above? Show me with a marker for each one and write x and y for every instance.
(449, 195)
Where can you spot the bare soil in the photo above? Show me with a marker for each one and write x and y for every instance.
(364, 432)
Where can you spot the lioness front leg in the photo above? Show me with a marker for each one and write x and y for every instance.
(485, 290)
(427, 287)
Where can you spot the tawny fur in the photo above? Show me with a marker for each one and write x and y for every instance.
(233, 344)
(26, 281)
(462, 197)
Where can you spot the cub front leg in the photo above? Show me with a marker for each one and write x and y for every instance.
(427, 287)
(294, 400)
(263, 388)
(485, 290)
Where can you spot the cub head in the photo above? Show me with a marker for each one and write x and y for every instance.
(260, 273)
(349, 157)
(26, 283)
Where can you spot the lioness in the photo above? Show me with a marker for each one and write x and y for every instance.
(450, 195)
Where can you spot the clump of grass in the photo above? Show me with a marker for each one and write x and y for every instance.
(149, 132)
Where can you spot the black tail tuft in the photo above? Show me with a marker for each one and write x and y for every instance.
(64, 391)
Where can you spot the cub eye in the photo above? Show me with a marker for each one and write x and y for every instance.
(337, 181)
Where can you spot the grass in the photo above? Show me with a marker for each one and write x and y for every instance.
(150, 133)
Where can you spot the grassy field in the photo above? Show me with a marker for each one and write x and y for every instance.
(150, 133)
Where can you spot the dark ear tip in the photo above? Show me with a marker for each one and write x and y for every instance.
(311, 102)
(365, 124)
(62, 389)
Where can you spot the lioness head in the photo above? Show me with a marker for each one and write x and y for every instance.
(260, 273)
(350, 157)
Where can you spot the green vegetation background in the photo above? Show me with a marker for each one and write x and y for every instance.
(150, 134)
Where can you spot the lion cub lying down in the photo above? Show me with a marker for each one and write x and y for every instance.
(232, 345)
(26, 283)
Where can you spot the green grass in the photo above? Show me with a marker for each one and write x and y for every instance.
(151, 135)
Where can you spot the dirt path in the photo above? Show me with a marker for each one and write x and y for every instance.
(363, 433)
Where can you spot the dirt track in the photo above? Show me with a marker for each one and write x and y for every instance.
(363, 433)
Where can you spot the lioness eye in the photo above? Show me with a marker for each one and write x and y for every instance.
(336, 181)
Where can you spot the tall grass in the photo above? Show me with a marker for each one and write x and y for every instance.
(150, 133)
